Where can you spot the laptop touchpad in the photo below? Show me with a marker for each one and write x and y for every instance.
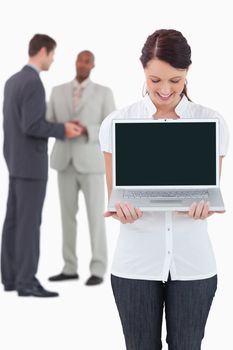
(168, 201)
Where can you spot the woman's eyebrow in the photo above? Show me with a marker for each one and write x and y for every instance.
(176, 77)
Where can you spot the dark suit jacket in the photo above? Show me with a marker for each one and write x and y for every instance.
(26, 131)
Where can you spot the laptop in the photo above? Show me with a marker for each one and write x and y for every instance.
(165, 165)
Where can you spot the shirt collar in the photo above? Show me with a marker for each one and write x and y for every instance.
(34, 67)
(180, 108)
(83, 84)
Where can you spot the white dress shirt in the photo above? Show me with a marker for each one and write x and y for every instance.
(160, 242)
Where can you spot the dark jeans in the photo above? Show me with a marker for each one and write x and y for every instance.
(140, 304)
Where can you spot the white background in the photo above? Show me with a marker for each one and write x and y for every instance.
(86, 318)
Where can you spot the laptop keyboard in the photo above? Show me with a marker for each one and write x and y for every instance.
(203, 194)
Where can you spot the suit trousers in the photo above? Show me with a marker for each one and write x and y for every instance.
(21, 232)
(70, 182)
(140, 304)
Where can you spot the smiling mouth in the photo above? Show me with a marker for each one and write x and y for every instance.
(164, 97)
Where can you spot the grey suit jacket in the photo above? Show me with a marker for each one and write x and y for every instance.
(84, 151)
(25, 129)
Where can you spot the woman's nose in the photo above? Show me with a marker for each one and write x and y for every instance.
(165, 89)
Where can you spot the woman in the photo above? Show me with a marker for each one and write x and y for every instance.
(163, 259)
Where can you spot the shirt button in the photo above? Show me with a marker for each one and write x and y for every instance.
(168, 229)
(169, 252)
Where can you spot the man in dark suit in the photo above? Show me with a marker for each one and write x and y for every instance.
(26, 135)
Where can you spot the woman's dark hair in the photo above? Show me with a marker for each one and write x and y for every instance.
(170, 46)
(38, 41)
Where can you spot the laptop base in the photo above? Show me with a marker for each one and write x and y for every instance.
(166, 204)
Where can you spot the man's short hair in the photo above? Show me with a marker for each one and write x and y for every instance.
(38, 41)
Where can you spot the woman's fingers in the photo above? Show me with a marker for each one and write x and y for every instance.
(205, 211)
(139, 212)
(198, 211)
(192, 210)
(120, 213)
(126, 213)
(132, 211)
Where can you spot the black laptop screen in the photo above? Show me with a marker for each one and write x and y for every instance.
(165, 154)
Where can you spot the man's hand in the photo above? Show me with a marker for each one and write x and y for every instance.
(83, 129)
(73, 130)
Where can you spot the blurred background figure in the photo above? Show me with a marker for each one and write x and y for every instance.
(26, 135)
(80, 165)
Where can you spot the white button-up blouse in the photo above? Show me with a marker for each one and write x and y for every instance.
(160, 242)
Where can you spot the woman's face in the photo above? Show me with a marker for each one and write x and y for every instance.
(164, 83)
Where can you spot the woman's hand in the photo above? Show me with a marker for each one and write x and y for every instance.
(199, 211)
(125, 213)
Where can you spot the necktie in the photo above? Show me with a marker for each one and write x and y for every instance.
(77, 96)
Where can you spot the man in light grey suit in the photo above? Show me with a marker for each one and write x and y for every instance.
(80, 165)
